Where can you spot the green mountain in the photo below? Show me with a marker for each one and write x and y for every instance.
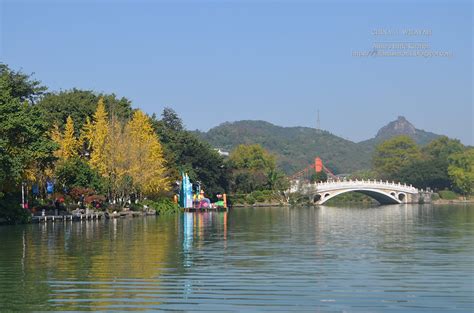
(296, 147)
(399, 127)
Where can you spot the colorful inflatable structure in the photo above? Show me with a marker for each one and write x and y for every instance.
(186, 192)
(197, 201)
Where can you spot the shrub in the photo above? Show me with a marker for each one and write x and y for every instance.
(11, 211)
(297, 199)
(77, 192)
(136, 207)
(94, 198)
(448, 195)
(259, 196)
(250, 199)
(162, 206)
(236, 199)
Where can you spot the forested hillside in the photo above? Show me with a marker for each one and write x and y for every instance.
(296, 147)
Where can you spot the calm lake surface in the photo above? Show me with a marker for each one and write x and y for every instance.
(326, 259)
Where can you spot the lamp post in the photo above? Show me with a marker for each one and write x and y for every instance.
(22, 195)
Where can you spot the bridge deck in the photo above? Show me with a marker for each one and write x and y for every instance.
(353, 184)
(383, 191)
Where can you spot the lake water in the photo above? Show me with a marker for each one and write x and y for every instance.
(326, 259)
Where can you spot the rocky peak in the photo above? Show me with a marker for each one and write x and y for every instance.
(398, 127)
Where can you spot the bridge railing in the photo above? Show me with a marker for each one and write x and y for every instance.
(369, 182)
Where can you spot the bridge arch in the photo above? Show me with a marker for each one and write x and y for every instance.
(402, 196)
(379, 195)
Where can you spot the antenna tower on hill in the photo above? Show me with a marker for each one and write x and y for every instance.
(318, 122)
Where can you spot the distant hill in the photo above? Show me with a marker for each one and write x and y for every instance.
(399, 127)
(296, 147)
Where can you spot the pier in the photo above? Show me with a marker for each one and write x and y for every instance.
(219, 209)
(70, 217)
(90, 216)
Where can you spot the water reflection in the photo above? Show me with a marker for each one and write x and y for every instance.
(291, 259)
(188, 235)
(200, 228)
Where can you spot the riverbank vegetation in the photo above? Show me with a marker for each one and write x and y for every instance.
(443, 164)
(93, 149)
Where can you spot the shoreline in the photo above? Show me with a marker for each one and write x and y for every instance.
(125, 214)
(455, 201)
(260, 204)
(435, 202)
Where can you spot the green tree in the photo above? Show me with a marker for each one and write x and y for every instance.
(254, 168)
(245, 181)
(426, 173)
(461, 170)
(23, 128)
(80, 104)
(76, 172)
(171, 120)
(252, 157)
(392, 155)
(276, 180)
(20, 86)
(25, 147)
(319, 177)
(432, 170)
(185, 152)
(442, 147)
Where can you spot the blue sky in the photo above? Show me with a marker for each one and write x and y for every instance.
(280, 61)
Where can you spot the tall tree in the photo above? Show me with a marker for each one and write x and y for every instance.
(147, 164)
(85, 136)
(98, 139)
(253, 157)
(426, 173)
(461, 170)
(185, 152)
(80, 104)
(171, 120)
(69, 144)
(26, 150)
(432, 170)
(24, 141)
(254, 168)
(442, 147)
(57, 137)
(118, 160)
(392, 155)
(20, 86)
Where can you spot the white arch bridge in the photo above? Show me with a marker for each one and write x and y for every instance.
(383, 191)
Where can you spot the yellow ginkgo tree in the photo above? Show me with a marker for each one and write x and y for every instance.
(98, 139)
(117, 159)
(147, 166)
(67, 142)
